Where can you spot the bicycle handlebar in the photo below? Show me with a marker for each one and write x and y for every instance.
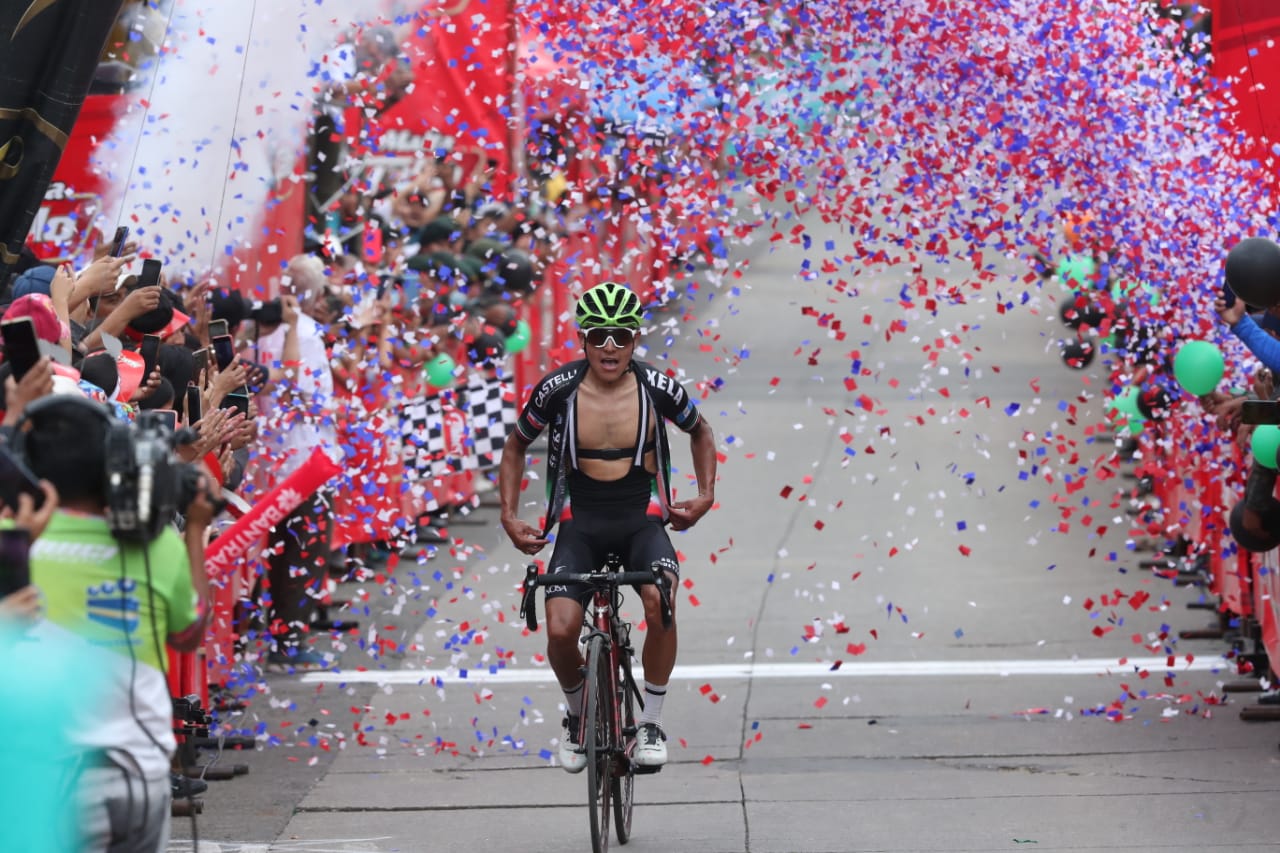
(596, 580)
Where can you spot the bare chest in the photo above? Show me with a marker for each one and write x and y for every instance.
(609, 419)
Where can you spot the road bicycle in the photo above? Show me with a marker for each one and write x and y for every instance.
(607, 727)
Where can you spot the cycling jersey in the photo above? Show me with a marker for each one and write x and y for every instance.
(553, 404)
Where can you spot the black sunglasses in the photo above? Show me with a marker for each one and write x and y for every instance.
(601, 337)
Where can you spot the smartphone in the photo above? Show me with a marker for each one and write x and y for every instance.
(1260, 412)
(218, 329)
(16, 479)
(117, 242)
(201, 357)
(224, 351)
(168, 416)
(238, 401)
(15, 565)
(150, 274)
(1228, 294)
(21, 346)
(194, 403)
(150, 352)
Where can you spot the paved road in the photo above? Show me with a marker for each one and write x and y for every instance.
(885, 641)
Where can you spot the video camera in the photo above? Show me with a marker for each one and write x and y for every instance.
(146, 485)
(267, 313)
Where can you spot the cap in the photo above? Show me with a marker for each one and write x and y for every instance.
(177, 324)
(37, 279)
(442, 228)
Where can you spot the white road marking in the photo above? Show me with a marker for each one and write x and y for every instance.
(314, 845)
(869, 669)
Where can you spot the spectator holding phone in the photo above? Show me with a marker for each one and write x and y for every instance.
(52, 335)
(115, 312)
(21, 392)
(19, 598)
(298, 417)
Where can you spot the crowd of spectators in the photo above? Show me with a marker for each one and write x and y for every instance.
(357, 354)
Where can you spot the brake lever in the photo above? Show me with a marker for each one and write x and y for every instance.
(664, 594)
(528, 600)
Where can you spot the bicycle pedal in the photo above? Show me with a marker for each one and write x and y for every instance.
(643, 770)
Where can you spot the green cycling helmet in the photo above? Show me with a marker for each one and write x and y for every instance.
(611, 305)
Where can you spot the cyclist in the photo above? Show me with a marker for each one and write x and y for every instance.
(608, 468)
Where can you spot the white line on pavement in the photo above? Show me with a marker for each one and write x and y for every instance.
(876, 669)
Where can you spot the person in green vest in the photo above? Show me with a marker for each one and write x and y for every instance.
(118, 599)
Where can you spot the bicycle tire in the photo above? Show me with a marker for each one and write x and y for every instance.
(624, 780)
(597, 718)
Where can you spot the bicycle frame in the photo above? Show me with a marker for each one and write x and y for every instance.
(602, 619)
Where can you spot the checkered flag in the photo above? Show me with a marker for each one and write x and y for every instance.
(491, 410)
(423, 451)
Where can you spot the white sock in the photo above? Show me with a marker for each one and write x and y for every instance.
(654, 694)
(573, 700)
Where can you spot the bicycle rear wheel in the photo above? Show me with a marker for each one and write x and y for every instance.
(597, 724)
(624, 780)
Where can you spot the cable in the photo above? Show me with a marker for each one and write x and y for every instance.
(231, 143)
(155, 639)
(133, 674)
(146, 108)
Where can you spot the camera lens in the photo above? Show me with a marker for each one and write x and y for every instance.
(268, 313)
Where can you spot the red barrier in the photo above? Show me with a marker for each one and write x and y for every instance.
(1233, 570)
(186, 675)
(1266, 604)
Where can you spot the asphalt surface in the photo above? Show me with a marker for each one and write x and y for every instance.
(903, 628)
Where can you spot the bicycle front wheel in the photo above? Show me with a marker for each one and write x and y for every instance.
(597, 723)
(624, 780)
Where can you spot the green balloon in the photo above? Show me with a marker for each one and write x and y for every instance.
(519, 339)
(1264, 444)
(1128, 416)
(1077, 270)
(440, 370)
(1198, 367)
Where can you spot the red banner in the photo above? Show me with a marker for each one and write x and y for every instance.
(222, 554)
(63, 227)
(463, 66)
(1245, 54)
